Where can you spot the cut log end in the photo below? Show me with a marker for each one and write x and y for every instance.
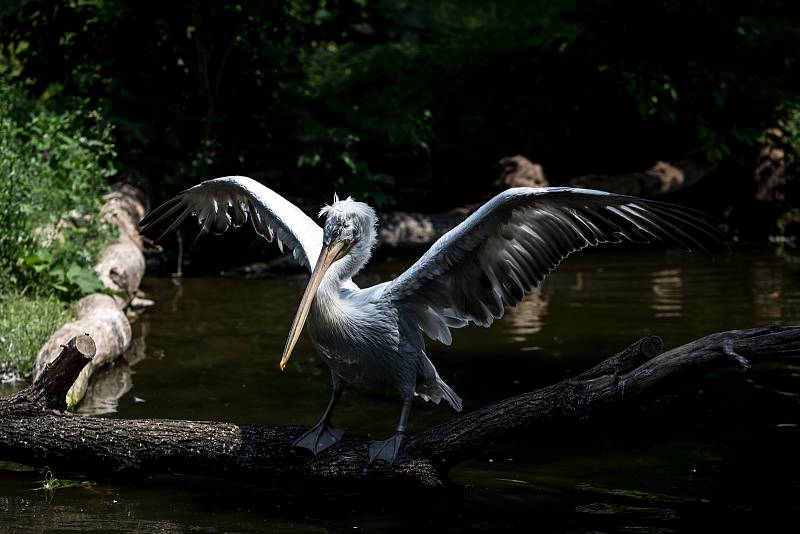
(85, 345)
(50, 389)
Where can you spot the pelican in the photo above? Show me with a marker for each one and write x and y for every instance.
(373, 337)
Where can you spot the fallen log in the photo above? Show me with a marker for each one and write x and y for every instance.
(406, 229)
(120, 268)
(662, 178)
(34, 429)
(99, 315)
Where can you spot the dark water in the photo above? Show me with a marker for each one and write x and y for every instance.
(715, 451)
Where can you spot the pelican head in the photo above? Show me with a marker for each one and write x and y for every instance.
(349, 234)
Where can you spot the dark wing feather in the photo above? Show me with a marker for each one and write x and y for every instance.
(507, 247)
(230, 201)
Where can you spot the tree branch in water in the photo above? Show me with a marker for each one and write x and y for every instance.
(34, 430)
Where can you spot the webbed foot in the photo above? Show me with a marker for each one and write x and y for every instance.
(319, 438)
(385, 451)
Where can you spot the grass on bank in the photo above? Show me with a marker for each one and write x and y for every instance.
(25, 324)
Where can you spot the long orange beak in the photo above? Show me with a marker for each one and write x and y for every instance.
(328, 255)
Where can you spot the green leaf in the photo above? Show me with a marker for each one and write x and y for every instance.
(39, 257)
(85, 279)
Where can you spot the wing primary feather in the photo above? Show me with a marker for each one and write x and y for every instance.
(645, 222)
(156, 212)
(683, 225)
(523, 261)
(175, 224)
(682, 238)
(610, 231)
(221, 223)
(160, 214)
(688, 218)
(204, 226)
(239, 213)
(621, 214)
(678, 223)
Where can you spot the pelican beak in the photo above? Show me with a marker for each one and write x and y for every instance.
(328, 255)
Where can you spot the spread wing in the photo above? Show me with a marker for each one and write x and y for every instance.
(230, 201)
(507, 247)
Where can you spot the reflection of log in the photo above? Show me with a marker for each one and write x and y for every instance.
(31, 432)
(109, 384)
(107, 387)
(525, 319)
(120, 268)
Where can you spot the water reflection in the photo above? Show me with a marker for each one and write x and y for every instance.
(527, 317)
(725, 450)
(767, 291)
(177, 295)
(111, 382)
(667, 293)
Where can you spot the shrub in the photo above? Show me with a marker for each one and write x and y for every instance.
(54, 167)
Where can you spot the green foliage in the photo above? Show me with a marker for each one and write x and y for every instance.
(54, 167)
(62, 274)
(382, 99)
(788, 223)
(792, 128)
(25, 324)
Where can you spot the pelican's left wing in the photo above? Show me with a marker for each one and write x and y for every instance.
(508, 246)
(224, 202)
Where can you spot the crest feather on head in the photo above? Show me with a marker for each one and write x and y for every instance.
(340, 207)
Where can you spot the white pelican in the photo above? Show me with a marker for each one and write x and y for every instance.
(373, 337)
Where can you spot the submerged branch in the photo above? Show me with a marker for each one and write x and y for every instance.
(36, 432)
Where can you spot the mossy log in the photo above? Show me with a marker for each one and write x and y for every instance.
(34, 429)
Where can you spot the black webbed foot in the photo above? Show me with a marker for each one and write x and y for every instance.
(319, 438)
(385, 451)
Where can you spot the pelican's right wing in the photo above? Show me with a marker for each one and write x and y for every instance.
(506, 248)
(224, 202)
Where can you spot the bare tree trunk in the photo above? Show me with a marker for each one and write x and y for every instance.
(36, 431)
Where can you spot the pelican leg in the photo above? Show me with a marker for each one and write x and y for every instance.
(323, 435)
(386, 451)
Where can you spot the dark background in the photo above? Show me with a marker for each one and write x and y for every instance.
(410, 104)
